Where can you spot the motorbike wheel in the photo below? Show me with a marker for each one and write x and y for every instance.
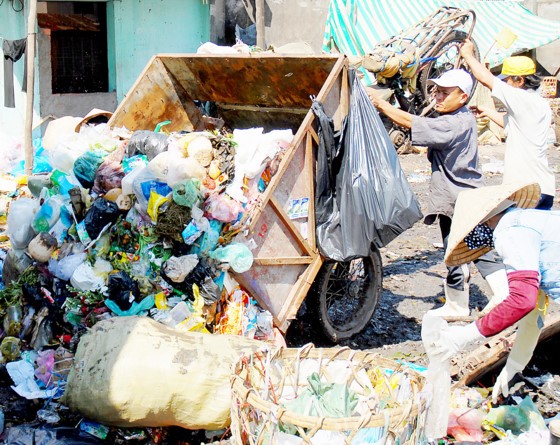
(449, 50)
(345, 295)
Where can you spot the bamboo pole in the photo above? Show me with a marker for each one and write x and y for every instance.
(259, 22)
(31, 37)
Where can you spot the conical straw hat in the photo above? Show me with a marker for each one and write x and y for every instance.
(95, 112)
(476, 206)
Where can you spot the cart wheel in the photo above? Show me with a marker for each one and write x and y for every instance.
(344, 295)
(447, 53)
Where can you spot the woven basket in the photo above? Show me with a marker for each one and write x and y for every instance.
(549, 86)
(261, 380)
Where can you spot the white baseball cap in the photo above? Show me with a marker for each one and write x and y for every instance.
(454, 78)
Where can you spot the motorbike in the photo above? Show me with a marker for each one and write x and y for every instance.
(404, 63)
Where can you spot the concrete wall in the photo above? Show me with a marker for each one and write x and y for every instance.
(143, 28)
(13, 25)
(548, 55)
(296, 21)
(286, 21)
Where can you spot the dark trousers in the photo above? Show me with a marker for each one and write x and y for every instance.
(545, 203)
(486, 264)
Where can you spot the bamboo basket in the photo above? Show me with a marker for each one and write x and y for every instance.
(549, 86)
(258, 382)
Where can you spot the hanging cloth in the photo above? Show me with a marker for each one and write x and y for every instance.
(13, 50)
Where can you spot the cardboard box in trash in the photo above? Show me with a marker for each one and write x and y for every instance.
(257, 90)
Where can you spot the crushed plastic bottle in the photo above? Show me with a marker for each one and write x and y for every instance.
(10, 348)
(13, 320)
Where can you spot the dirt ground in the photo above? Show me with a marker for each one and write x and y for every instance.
(413, 275)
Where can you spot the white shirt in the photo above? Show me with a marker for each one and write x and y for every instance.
(527, 126)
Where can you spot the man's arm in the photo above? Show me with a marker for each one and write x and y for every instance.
(398, 116)
(490, 113)
(479, 71)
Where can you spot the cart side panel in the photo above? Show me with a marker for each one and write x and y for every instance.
(296, 184)
(271, 285)
(154, 98)
(273, 239)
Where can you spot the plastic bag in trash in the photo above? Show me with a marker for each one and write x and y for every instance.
(86, 166)
(65, 267)
(187, 193)
(123, 290)
(36, 183)
(15, 263)
(517, 419)
(177, 268)
(322, 399)
(209, 238)
(20, 217)
(363, 198)
(134, 162)
(196, 226)
(143, 183)
(182, 169)
(49, 213)
(110, 173)
(43, 435)
(84, 278)
(134, 309)
(238, 255)
(101, 213)
(62, 182)
(41, 163)
(222, 208)
(149, 143)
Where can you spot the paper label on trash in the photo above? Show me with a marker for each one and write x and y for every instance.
(298, 208)
(303, 230)
(82, 233)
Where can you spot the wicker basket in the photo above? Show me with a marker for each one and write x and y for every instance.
(261, 382)
(549, 86)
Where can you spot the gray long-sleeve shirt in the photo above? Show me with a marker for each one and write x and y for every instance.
(452, 141)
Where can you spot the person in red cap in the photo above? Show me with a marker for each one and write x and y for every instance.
(526, 122)
(452, 144)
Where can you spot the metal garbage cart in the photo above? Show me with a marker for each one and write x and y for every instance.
(270, 91)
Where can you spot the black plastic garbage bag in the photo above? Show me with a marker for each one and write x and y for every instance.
(144, 142)
(28, 435)
(101, 213)
(123, 290)
(363, 198)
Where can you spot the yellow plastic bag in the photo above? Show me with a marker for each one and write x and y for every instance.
(155, 202)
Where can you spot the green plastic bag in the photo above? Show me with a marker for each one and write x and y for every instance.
(323, 399)
(517, 419)
(86, 166)
(186, 194)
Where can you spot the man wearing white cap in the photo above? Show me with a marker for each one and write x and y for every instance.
(526, 122)
(502, 218)
(452, 144)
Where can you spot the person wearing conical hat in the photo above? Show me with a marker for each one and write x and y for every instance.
(528, 240)
(452, 144)
(526, 122)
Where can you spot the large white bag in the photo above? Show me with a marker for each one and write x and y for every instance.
(133, 371)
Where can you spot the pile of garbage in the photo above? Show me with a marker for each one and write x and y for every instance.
(116, 223)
